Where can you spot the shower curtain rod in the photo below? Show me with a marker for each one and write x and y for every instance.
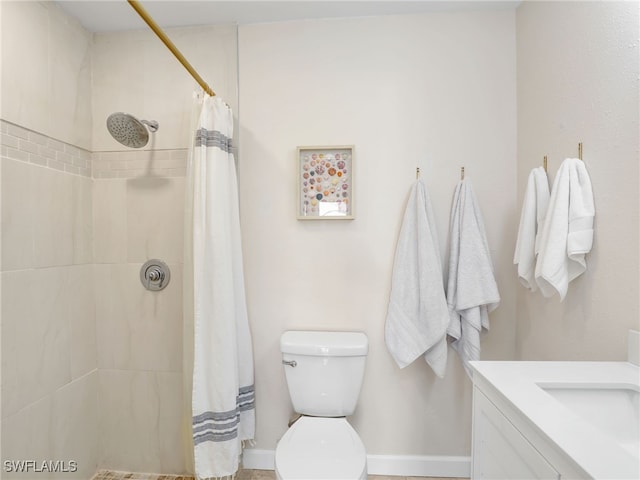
(137, 6)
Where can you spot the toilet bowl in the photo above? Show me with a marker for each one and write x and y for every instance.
(316, 448)
(324, 373)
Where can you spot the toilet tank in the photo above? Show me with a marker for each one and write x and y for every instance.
(324, 370)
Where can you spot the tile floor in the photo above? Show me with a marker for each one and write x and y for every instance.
(242, 475)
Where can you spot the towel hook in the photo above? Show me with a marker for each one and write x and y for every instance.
(461, 173)
(580, 150)
(417, 173)
(544, 163)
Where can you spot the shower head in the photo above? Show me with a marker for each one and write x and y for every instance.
(130, 131)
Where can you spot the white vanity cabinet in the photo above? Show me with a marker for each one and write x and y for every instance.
(507, 444)
(536, 420)
(500, 451)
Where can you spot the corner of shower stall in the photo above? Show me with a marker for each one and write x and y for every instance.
(92, 361)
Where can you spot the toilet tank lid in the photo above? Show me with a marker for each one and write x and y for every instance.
(327, 344)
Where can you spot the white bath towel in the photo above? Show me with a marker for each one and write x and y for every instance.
(472, 291)
(223, 387)
(567, 234)
(534, 209)
(417, 316)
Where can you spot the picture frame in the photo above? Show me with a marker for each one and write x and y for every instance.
(325, 182)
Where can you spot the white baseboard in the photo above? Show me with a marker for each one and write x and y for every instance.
(255, 459)
(402, 465)
(419, 465)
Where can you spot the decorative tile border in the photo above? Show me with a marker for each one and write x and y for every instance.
(22, 144)
(140, 163)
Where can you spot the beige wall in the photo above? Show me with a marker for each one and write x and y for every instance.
(578, 82)
(435, 91)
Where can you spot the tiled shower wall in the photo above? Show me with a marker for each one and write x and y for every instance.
(92, 362)
(49, 363)
(138, 216)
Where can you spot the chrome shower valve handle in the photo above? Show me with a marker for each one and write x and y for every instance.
(155, 275)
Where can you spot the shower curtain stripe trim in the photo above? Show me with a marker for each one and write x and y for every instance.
(216, 432)
(213, 426)
(223, 426)
(212, 437)
(213, 138)
(216, 416)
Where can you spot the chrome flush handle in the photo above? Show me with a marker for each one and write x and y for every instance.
(291, 363)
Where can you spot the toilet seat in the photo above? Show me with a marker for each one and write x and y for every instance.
(317, 448)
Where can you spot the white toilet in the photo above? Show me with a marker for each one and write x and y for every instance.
(324, 372)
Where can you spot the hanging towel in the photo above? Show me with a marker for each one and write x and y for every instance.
(471, 288)
(567, 235)
(534, 209)
(223, 387)
(417, 316)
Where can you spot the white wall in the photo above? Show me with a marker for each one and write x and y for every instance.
(435, 91)
(578, 82)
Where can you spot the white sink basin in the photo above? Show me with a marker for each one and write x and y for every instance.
(612, 409)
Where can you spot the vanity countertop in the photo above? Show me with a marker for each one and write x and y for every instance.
(520, 384)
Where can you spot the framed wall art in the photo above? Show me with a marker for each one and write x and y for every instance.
(325, 183)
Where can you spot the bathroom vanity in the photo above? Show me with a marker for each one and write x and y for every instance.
(555, 420)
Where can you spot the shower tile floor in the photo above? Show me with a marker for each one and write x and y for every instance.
(241, 475)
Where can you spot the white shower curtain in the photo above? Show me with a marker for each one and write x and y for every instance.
(217, 337)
